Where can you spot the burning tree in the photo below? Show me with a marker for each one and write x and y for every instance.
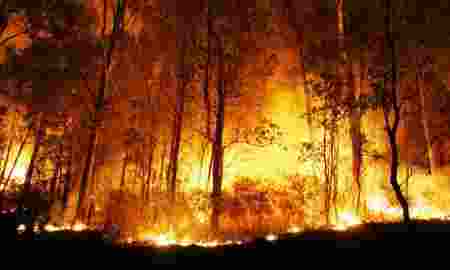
(154, 103)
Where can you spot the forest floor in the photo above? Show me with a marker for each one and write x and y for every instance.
(429, 233)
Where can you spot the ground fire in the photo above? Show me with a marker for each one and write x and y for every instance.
(174, 124)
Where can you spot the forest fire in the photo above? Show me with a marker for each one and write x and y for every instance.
(175, 124)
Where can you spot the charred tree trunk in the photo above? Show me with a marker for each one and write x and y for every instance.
(124, 173)
(174, 153)
(217, 153)
(177, 122)
(391, 104)
(85, 176)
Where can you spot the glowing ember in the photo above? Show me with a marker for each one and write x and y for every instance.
(271, 237)
(294, 229)
(51, 228)
(208, 244)
(79, 227)
(185, 243)
(21, 228)
(161, 240)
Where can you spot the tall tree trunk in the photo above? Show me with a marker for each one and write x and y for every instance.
(217, 153)
(177, 122)
(303, 85)
(148, 178)
(123, 174)
(425, 117)
(393, 105)
(364, 91)
(100, 98)
(67, 180)
(162, 166)
(355, 131)
(85, 176)
(349, 81)
(206, 99)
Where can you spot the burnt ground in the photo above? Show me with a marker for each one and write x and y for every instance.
(421, 235)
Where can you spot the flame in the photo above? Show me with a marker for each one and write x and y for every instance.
(243, 160)
(161, 240)
(271, 237)
(294, 229)
(79, 227)
(21, 228)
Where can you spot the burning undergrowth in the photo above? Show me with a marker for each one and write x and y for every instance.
(250, 209)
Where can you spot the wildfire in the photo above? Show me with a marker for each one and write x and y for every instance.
(161, 240)
(165, 240)
(346, 220)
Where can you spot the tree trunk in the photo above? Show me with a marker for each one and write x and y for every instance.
(123, 174)
(217, 153)
(177, 122)
(303, 85)
(425, 107)
(67, 182)
(100, 100)
(393, 178)
(149, 175)
(355, 132)
(393, 106)
(365, 91)
(206, 99)
(162, 166)
(85, 176)
(174, 153)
